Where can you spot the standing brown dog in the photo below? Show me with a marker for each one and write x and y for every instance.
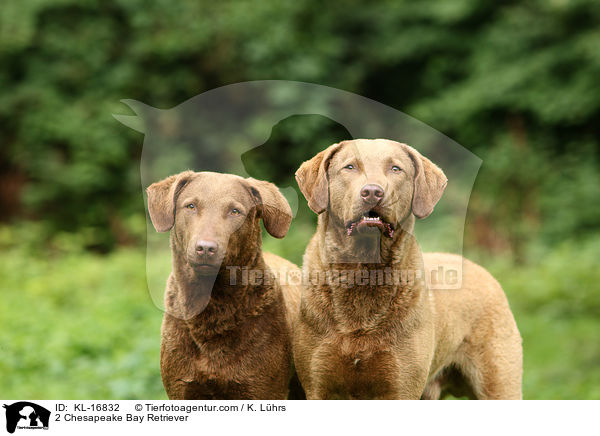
(226, 332)
(364, 334)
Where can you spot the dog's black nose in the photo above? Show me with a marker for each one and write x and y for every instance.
(372, 193)
(206, 248)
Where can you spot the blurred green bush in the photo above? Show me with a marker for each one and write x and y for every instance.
(514, 82)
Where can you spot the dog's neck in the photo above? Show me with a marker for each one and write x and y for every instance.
(384, 275)
(211, 305)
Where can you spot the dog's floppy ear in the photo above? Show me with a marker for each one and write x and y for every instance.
(274, 208)
(430, 182)
(161, 199)
(312, 179)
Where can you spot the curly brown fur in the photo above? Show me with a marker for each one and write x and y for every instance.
(393, 339)
(224, 339)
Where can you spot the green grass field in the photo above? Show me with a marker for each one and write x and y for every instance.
(82, 326)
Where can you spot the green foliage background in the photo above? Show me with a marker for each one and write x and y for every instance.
(514, 82)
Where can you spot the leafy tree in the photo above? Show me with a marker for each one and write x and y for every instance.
(515, 82)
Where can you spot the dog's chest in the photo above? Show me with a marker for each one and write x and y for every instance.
(214, 374)
(210, 386)
(345, 371)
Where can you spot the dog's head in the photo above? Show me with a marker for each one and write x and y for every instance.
(371, 185)
(214, 218)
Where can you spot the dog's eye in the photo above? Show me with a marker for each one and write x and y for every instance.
(235, 211)
(396, 169)
(349, 167)
(190, 206)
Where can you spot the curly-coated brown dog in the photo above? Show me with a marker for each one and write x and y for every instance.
(370, 327)
(226, 331)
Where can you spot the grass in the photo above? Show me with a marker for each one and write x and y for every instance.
(78, 326)
(75, 325)
(556, 302)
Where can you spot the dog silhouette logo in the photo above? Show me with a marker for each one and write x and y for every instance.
(26, 415)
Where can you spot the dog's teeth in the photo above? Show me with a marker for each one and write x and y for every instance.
(371, 218)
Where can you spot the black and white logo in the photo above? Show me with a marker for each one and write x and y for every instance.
(26, 415)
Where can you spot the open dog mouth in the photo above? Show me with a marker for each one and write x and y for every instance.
(369, 220)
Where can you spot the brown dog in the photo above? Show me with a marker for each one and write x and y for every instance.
(224, 335)
(368, 326)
